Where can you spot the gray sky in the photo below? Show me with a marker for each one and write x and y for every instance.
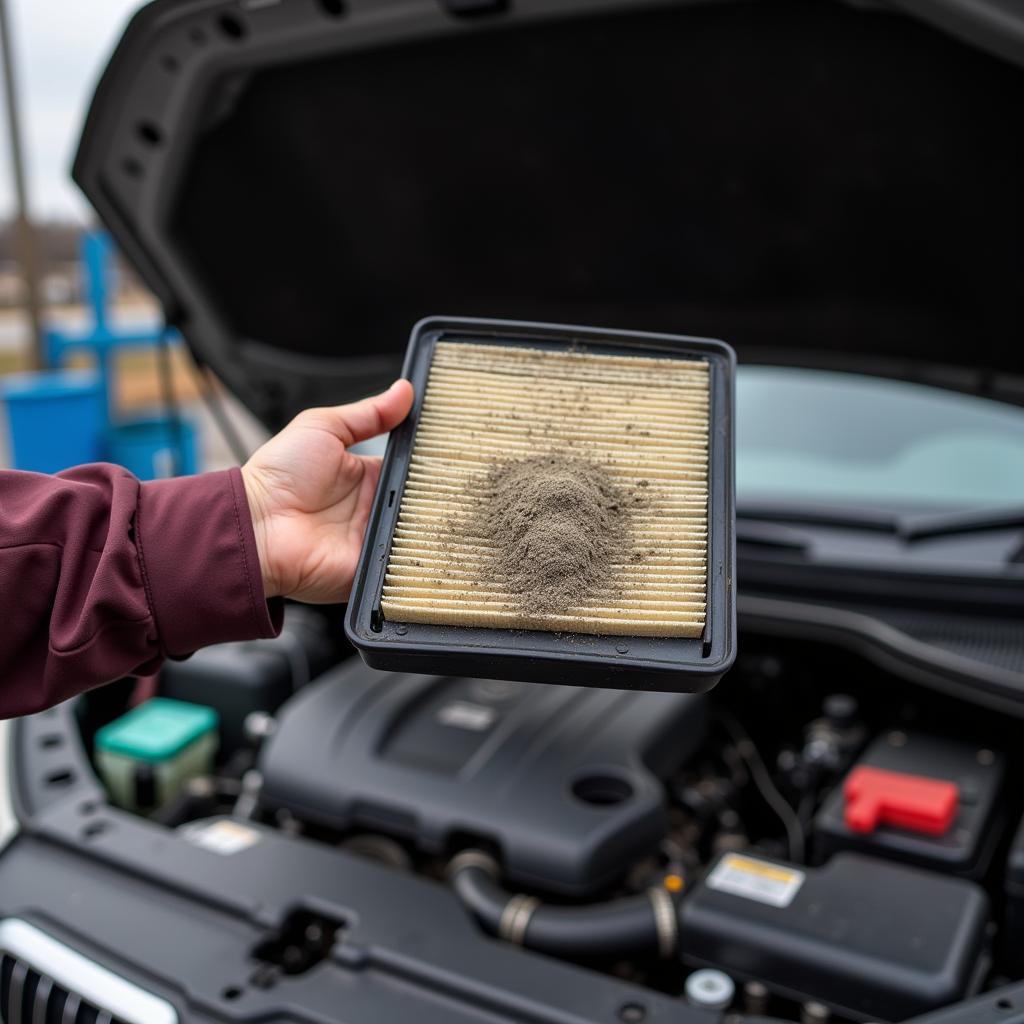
(62, 46)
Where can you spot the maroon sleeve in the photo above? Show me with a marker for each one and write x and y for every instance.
(102, 577)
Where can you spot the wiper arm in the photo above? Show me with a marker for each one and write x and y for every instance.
(907, 528)
(950, 524)
(770, 537)
(844, 518)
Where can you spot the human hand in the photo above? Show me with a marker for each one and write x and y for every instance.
(310, 497)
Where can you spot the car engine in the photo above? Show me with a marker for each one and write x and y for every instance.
(816, 839)
(568, 783)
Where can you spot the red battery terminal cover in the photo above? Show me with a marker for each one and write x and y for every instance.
(914, 802)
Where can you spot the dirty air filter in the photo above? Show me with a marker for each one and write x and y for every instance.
(558, 507)
(541, 475)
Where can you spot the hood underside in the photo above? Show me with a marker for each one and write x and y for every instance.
(812, 183)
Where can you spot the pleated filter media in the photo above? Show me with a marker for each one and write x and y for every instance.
(644, 419)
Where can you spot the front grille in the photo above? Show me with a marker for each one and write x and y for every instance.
(42, 981)
(29, 997)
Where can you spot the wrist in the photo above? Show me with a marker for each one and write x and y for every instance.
(257, 511)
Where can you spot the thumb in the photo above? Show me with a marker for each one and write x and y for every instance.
(369, 417)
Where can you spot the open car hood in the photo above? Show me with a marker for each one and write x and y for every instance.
(300, 182)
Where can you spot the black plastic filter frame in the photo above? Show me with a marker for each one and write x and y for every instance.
(673, 664)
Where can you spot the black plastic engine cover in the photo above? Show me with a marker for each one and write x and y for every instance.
(564, 781)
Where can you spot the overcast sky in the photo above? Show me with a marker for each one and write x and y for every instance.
(62, 46)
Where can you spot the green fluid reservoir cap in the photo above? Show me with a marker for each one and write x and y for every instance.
(156, 730)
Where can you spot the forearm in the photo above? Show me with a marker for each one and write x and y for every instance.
(101, 577)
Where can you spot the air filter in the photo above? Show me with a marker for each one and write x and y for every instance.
(558, 507)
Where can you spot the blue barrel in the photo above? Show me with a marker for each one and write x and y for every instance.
(56, 418)
(154, 448)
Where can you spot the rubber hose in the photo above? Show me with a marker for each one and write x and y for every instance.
(630, 925)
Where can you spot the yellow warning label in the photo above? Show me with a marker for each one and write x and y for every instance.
(762, 868)
(756, 879)
(223, 837)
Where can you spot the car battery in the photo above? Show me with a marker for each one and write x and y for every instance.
(921, 799)
(146, 756)
(868, 939)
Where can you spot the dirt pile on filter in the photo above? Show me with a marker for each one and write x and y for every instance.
(557, 525)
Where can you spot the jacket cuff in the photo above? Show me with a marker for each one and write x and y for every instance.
(199, 563)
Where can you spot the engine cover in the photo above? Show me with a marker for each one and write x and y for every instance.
(565, 781)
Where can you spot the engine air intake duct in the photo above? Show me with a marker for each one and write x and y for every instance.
(645, 923)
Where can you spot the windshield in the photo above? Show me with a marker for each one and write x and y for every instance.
(808, 437)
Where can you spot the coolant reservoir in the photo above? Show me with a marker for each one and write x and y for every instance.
(147, 755)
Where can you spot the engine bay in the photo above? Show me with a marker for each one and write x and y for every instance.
(834, 833)
(815, 840)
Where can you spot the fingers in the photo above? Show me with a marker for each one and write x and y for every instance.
(369, 417)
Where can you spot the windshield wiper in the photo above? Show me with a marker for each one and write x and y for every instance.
(770, 537)
(908, 528)
(851, 519)
(952, 524)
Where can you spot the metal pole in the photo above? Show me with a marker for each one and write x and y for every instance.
(25, 238)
